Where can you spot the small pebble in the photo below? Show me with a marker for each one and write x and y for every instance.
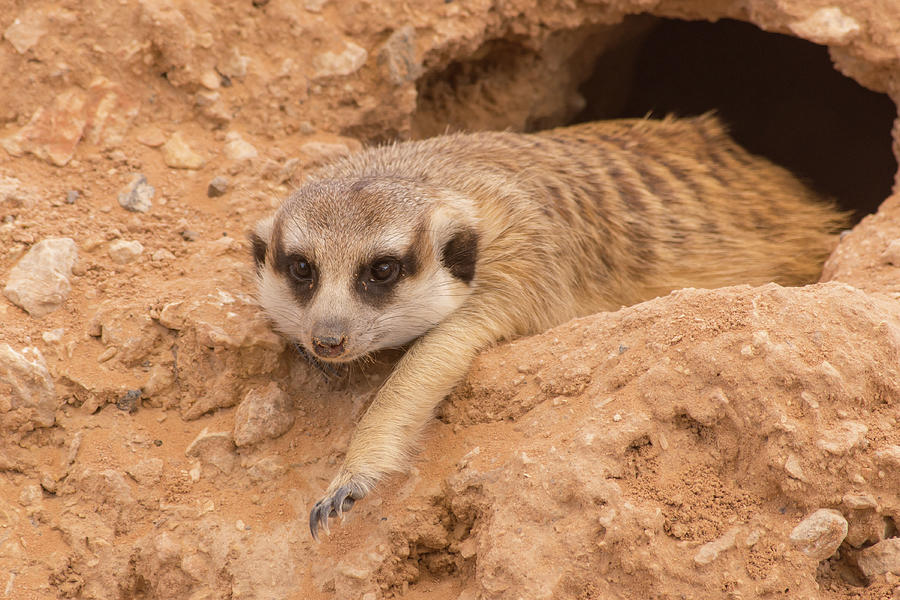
(124, 252)
(54, 335)
(161, 255)
(217, 187)
(72, 196)
(129, 402)
(179, 155)
(107, 354)
(136, 195)
(190, 235)
(238, 149)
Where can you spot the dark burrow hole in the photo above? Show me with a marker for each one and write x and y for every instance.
(780, 96)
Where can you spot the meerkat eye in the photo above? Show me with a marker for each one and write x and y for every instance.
(384, 270)
(301, 270)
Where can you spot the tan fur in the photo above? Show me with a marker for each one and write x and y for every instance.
(571, 221)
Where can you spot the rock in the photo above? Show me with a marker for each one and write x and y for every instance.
(101, 115)
(318, 153)
(27, 394)
(13, 194)
(215, 449)
(314, 6)
(236, 148)
(136, 195)
(217, 187)
(39, 283)
(109, 112)
(264, 413)
(72, 196)
(53, 336)
(232, 341)
(146, 472)
(398, 56)
(331, 64)
(266, 469)
(793, 467)
(820, 534)
(127, 327)
(840, 440)
(162, 255)
(129, 401)
(888, 456)
(178, 155)
(891, 254)
(710, 551)
(26, 30)
(124, 252)
(53, 131)
(826, 26)
(860, 501)
(151, 136)
(31, 495)
(881, 558)
(189, 235)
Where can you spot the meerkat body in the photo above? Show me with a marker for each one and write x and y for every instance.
(458, 241)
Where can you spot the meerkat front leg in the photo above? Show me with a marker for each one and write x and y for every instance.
(423, 377)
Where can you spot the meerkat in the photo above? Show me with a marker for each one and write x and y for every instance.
(456, 242)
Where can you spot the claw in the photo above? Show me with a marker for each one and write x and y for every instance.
(335, 504)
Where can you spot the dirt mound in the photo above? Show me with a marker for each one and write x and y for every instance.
(159, 441)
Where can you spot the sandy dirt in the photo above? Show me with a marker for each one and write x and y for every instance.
(157, 440)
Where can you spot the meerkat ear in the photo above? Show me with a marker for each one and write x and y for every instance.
(460, 253)
(259, 239)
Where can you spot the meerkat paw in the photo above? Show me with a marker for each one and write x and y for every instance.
(339, 498)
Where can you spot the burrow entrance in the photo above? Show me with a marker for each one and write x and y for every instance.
(781, 96)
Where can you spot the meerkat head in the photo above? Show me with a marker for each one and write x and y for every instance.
(349, 266)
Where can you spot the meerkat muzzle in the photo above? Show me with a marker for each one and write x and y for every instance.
(328, 346)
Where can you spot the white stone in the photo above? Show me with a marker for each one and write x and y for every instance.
(39, 283)
(124, 252)
(26, 30)
(26, 385)
(162, 255)
(711, 551)
(331, 64)
(54, 335)
(820, 534)
(179, 155)
(826, 26)
(14, 194)
(845, 437)
(236, 148)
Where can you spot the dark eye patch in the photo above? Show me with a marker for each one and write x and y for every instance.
(377, 280)
(300, 273)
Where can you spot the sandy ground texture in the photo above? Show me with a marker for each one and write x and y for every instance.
(158, 441)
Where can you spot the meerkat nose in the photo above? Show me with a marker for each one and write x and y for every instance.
(328, 346)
